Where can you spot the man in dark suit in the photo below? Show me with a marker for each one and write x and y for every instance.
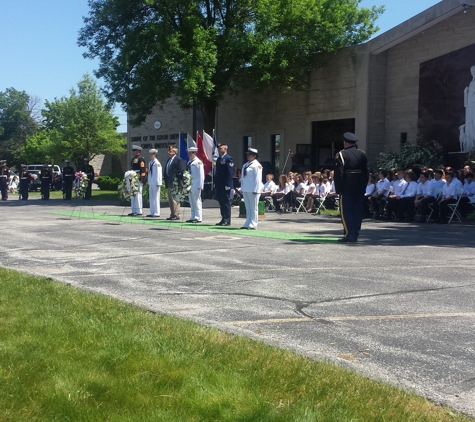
(223, 181)
(175, 166)
(89, 170)
(351, 177)
(68, 179)
(4, 179)
(25, 178)
(45, 177)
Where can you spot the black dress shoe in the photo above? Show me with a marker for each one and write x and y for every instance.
(220, 223)
(225, 223)
(171, 218)
(189, 221)
(132, 214)
(243, 228)
(196, 221)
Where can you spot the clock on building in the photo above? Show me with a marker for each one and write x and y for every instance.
(157, 125)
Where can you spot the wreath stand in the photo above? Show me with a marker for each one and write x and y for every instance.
(80, 209)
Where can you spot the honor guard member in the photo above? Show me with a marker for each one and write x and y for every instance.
(351, 177)
(175, 165)
(45, 177)
(25, 178)
(68, 179)
(223, 182)
(251, 186)
(4, 179)
(197, 172)
(138, 165)
(89, 170)
(154, 183)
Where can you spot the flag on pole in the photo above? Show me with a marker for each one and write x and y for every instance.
(182, 148)
(210, 146)
(207, 163)
(190, 142)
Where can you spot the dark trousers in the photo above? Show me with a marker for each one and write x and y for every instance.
(275, 200)
(406, 207)
(464, 206)
(425, 211)
(444, 210)
(88, 193)
(378, 205)
(224, 199)
(67, 187)
(3, 188)
(393, 206)
(351, 210)
(45, 186)
(24, 189)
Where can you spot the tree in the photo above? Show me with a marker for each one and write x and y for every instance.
(18, 119)
(198, 50)
(77, 126)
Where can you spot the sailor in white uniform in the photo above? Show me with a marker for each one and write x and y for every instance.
(196, 169)
(251, 186)
(154, 184)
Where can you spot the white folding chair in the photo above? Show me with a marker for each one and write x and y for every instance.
(455, 212)
(438, 192)
(301, 202)
(320, 203)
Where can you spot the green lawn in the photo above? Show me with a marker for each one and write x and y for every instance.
(68, 355)
(97, 195)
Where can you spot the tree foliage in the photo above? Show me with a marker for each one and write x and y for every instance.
(18, 120)
(198, 50)
(80, 125)
(417, 154)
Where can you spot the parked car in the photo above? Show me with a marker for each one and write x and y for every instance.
(35, 170)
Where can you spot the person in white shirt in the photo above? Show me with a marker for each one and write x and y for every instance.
(468, 196)
(315, 193)
(382, 191)
(426, 195)
(394, 197)
(407, 197)
(439, 179)
(251, 186)
(282, 189)
(197, 173)
(456, 181)
(370, 189)
(299, 191)
(269, 187)
(154, 184)
(449, 196)
(309, 194)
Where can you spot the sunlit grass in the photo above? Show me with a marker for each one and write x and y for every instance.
(68, 355)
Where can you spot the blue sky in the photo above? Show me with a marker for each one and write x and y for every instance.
(40, 55)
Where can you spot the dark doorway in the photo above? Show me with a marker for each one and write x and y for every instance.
(246, 143)
(327, 140)
(275, 155)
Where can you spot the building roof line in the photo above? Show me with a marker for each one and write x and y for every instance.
(417, 24)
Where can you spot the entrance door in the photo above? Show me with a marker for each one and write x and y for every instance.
(275, 155)
(327, 140)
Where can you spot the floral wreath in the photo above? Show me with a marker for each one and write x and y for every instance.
(181, 186)
(130, 185)
(80, 184)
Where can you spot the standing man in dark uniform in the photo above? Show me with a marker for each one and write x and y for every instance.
(25, 178)
(351, 177)
(4, 179)
(223, 181)
(89, 170)
(175, 165)
(45, 177)
(68, 179)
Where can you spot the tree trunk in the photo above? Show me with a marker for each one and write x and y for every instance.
(208, 108)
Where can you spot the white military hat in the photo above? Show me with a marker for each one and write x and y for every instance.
(251, 151)
(192, 149)
(152, 151)
(136, 148)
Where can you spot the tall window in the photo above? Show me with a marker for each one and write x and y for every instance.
(275, 154)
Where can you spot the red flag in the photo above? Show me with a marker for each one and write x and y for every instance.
(202, 155)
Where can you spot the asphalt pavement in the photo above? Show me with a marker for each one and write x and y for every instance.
(399, 306)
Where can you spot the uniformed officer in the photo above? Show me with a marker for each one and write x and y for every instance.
(154, 183)
(68, 179)
(174, 167)
(25, 178)
(89, 170)
(4, 179)
(45, 177)
(351, 177)
(196, 169)
(251, 186)
(138, 165)
(223, 181)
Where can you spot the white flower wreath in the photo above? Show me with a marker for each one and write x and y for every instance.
(181, 186)
(130, 185)
(80, 184)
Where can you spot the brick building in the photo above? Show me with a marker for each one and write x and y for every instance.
(406, 81)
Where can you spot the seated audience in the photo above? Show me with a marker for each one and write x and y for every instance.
(425, 195)
(405, 210)
(394, 197)
(449, 196)
(268, 187)
(382, 191)
(278, 195)
(468, 196)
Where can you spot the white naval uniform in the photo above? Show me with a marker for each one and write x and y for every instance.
(197, 173)
(154, 184)
(251, 186)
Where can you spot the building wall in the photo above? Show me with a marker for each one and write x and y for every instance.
(262, 114)
(403, 63)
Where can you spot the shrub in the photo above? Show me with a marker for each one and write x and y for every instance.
(109, 182)
(421, 153)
